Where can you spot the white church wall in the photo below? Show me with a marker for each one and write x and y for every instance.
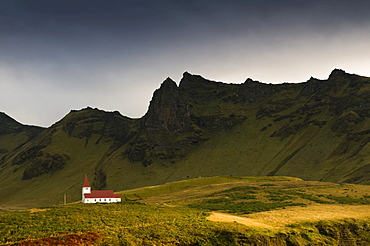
(101, 200)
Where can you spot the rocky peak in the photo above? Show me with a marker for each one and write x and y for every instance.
(190, 81)
(251, 83)
(186, 75)
(168, 109)
(168, 84)
(248, 81)
(337, 73)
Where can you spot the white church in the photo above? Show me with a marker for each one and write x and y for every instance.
(97, 196)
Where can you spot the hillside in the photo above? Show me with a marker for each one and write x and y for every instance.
(13, 134)
(315, 130)
(205, 211)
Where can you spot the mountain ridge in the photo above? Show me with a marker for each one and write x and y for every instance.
(315, 130)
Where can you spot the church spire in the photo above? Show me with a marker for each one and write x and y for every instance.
(86, 182)
(86, 188)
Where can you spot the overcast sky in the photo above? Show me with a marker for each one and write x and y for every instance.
(58, 55)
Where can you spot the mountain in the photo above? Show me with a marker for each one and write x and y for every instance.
(315, 130)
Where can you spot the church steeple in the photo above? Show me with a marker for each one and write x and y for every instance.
(86, 182)
(86, 188)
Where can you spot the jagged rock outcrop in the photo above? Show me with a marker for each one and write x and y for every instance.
(167, 128)
(169, 110)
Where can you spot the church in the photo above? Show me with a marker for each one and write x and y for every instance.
(97, 196)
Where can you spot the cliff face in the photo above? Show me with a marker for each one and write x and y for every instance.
(169, 111)
(321, 125)
(315, 130)
(166, 129)
(183, 116)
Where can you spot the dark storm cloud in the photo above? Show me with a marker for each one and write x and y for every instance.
(146, 12)
(85, 23)
(138, 18)
(56, 55)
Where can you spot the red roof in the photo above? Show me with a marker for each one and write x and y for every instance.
(86, 181)
(102, 194)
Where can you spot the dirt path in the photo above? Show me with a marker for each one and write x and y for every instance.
(221, 217)
(283, 217)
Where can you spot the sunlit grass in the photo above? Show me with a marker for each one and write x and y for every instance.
(178, 213)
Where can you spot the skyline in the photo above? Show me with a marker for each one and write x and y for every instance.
(59, 56)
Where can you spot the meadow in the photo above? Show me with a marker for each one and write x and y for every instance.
(205, 211)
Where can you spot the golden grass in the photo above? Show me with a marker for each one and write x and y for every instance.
(284, 217)
(35, 210)
(222, 217)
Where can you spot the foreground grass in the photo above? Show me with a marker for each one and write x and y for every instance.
(140, 224)
(119, 224)
(266, 211)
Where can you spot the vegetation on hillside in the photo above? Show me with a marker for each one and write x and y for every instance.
(174, 214)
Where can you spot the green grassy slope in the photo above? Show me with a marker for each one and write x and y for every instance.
(42, 170)
(236, 190)
(178, 213)
(316, 130)
(13, 134)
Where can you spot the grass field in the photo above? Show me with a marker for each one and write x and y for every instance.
(205, 211)
(279, 219)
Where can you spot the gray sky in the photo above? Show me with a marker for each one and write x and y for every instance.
(58, 55)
